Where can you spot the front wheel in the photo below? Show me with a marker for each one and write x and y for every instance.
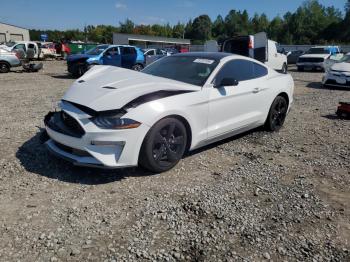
(164, 145)
(277, 114)
(4, 68)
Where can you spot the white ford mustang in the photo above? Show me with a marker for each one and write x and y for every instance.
(113, 117)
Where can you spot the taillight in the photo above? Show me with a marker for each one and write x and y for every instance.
(17, 55)
(251, 44)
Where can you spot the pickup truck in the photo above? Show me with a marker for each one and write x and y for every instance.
(153, 54)
(25, 46)
(7, 60)
(258, 47)
(115, 55)
(315, 58)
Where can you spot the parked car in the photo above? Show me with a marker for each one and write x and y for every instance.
(48, 50)
(293, 56)
(124, 56)
(28, 47)
(153, 54)
(314, 58)
(339, 73)
(113, 117)
(8, 60)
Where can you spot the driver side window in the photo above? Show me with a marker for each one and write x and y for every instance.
(241, 70)
(238, 69)
(20, 46)
(112, 51)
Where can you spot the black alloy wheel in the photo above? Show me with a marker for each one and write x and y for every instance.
(277, 114)
(164, 145)
(4, 68)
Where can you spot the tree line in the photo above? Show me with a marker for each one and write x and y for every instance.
(311, 23)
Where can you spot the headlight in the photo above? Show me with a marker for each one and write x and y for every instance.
(114, 122)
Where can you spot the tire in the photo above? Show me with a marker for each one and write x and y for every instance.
(277, 114)
(137, 67)
(284, 68)
(163, 146)
(4, 67)
(300, 68)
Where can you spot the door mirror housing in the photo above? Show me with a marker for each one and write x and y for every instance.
(227, 82)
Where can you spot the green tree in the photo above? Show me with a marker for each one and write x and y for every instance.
(218, 29)
(178, 30)
(260, 23)
(201, 28)
(127, 27)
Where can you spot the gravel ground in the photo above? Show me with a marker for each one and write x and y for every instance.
(259, 196)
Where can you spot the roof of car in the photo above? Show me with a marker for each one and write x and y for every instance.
(207, 55)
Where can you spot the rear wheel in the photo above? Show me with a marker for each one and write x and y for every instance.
(164, 145)
(4, 67)
(277, 114)
(300, 68)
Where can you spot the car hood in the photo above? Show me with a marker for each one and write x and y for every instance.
(315, 56)
(343, 67)
(79, 57)
(107, 87)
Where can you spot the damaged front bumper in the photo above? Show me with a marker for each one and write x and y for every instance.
(92, 147)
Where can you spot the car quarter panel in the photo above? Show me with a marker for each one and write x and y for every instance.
(192, 106)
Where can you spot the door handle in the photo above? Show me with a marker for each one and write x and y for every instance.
(256, 90)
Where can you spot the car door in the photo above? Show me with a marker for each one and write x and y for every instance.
(111, 57)
(233, 108)
(150, 56)
(128, 56)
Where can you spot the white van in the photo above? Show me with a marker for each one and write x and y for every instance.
(258, 47)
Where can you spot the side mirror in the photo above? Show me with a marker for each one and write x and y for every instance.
(227, 82)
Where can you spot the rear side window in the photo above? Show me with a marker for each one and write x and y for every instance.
(127, 50)
(259, 70)
(241, 70)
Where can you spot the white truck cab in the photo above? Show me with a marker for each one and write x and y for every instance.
(25, 46)
(258, 47)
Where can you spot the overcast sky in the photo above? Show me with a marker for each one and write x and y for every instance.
(69, 14)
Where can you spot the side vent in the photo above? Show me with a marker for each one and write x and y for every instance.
(109, 87)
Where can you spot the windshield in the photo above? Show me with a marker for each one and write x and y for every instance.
(188, 69)
(345, 59)
(97, 50)
(10, 44)
(318, 51)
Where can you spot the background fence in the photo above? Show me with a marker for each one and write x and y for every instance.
(344, 48)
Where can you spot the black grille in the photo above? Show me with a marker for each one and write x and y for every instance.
(72, 124)
(310, 60)
(333, 82)
(71, 150)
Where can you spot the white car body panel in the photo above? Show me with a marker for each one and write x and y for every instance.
(338, 75)
(211, 113)
(275, 60)
(99, 98)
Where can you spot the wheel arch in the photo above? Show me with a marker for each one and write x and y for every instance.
(184, 121)
(5, 62)
(188, 129)
(285, 96)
